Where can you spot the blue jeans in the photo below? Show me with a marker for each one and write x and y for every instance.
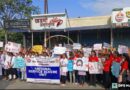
(19, 73)
(76, 76)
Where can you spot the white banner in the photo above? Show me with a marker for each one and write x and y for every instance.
(87, 51)
(1, 44)
(68, 47)
(48, 21)
(59, 50)
(77, 46)
(81, 64)
(106, 45)
(97, 46)
(123, 49)
(95, 68)
(13, 47)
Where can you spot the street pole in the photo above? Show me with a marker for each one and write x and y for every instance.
(45, 12)
(24, 40)
(32, 39)
(6, 37)
(111, 33)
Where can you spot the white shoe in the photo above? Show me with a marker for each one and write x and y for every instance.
(63, 85)
(10, 77)
(14, 76)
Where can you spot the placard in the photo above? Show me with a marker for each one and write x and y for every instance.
(115, 69)
(81, 64)
(95, 68)
(77, 46)
(59, 50)
(68, 47)
(13, 47)
(106, 45)
(1, 44)
(97, 46)
(87, 51)
(123, 49)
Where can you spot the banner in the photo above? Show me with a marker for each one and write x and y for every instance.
(123, 49)
(87, 51)
(48, 21)
(77, 46)
(13, 47)
(97, 46)
(1, 44)
(115, 69)
(40, 71)
(59, 50)
(81, 64)
(106, 45)
(68, 47)
(95, 68)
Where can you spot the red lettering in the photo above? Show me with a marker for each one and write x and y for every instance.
(41, 20)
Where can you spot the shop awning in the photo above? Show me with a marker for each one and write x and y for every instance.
(89, 27)
(66, 29)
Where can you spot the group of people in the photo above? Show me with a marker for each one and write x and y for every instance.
(116, 68)
(14, 66)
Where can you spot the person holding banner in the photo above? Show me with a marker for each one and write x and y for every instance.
(81, 73)
(106, 71)
(115, 68)
(21, 66)
(124, 68)
(70, 66)
(64, 69)
(7, 65)
(75, 76)
(14, 68)
(93, 58)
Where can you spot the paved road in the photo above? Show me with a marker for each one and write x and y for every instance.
(17, 84)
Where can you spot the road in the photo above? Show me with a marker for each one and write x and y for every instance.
(17, 84)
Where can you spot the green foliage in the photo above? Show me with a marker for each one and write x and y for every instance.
(15, 9)
(12, 36)
(15, 37)
(2, 35)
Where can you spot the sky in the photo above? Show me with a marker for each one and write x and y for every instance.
(82, 8)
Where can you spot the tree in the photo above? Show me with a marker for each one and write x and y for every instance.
(16, 9)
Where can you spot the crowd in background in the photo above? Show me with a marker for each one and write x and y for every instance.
(12, 70)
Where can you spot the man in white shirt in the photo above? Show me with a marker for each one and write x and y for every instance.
(7, 64)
